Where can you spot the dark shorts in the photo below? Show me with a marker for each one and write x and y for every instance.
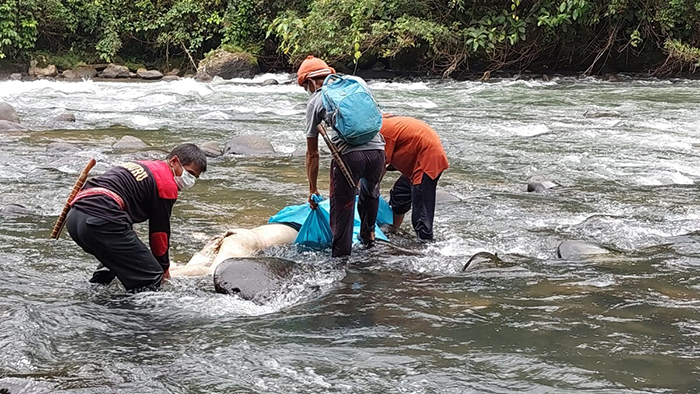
(405, 196)
(120, 252)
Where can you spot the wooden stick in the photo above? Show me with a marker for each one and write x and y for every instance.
(58, 227)
(336, 155)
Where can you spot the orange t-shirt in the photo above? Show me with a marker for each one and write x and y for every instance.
(413, 147)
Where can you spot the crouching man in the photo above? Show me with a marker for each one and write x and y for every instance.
(414, 149)
(102, 214)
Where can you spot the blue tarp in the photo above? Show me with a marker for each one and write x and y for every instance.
(315, 224)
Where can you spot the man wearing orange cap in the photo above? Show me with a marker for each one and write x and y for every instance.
(365, 162)
(413, 148)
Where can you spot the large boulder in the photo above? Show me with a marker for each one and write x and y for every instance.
(7, 112)
(540, 184)
(6, 125)
(42, 72)
(130, 142)
(229, 65)
(149, 74)
(249, 145)
(202, 76)
(64, 117)
(578, 250)
(252, 277)
(211, 149)
(80, 72)
(116, 71)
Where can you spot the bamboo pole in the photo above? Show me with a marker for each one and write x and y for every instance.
(60, 222)
(336, 156)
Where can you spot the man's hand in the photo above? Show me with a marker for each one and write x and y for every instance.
(313, 203)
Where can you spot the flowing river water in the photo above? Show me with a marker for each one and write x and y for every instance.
(625, 155)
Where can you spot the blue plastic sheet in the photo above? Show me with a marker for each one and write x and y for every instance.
(315, 224)
(316, 230)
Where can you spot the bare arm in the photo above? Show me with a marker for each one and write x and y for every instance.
(312, 167)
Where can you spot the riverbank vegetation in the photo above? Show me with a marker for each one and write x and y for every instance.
(445, 37)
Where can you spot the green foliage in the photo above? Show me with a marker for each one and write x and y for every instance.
(440, 36)
(18, 26)
(683, 52)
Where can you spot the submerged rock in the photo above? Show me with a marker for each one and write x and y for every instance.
(249, 145)
(212, 149)
(540, 184)
(62, 147)
(575, 250)
(64, 117)
(6, 125)
(14, 210)
(130, 142)
(251, 277)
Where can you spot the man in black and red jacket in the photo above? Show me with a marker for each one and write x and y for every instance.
(102, 215)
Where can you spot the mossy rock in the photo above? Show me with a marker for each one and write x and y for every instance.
(229, 65)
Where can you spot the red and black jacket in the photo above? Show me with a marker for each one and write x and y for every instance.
(133, 193)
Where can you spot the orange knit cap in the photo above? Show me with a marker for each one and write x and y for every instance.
(313, 67)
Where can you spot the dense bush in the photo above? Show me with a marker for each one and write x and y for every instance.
(435, 36)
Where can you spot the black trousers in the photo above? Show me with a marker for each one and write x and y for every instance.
(120, 252)
(421, 198)
(365, 166)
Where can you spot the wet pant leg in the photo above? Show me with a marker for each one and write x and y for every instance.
(400, 195)
(423, 206)
(118, 249)
(366, 167)
(342, 214)
(368, 201)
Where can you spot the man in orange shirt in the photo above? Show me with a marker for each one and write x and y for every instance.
(414, 149)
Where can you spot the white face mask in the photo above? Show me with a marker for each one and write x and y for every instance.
(185, 181)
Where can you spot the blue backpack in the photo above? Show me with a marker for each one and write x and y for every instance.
(351, 109)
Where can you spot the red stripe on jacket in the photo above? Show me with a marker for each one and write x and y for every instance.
(165, 179)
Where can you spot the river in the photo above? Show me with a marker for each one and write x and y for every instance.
(625, 155)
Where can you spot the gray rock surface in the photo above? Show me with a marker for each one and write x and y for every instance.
(115, 71)
(149, 74)
(249, 145)
(7, 112)
(540, 184)
(251, 277)
(212, 149)
(64, 117)
(576, 250)
(6, 125)
(229, 65)
(128, 142)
